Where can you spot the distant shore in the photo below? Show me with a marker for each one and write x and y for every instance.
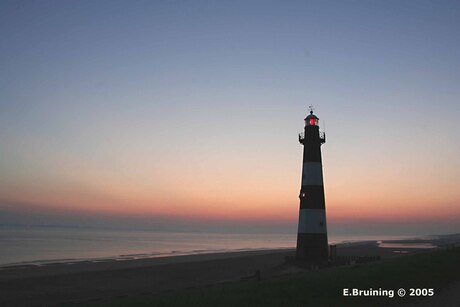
(91, 281)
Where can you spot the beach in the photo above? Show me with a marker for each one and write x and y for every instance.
(88, 282)
(82, 282)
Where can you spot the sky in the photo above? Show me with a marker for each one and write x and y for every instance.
(185, 114)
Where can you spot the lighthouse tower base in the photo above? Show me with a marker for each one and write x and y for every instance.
(312, 248)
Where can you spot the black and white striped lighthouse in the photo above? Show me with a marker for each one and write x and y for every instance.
(312, 245)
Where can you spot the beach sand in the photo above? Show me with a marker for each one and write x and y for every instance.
(84, 282)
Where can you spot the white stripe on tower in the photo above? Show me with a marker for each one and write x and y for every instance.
(312, 221)
(312, 173)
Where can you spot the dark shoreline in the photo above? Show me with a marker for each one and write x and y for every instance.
(63, 283)
(129, 258)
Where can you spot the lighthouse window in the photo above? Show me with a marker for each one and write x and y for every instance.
(313, 122)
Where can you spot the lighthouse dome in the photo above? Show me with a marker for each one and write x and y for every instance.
(311, 120)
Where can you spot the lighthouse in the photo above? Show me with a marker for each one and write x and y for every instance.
(312, 245)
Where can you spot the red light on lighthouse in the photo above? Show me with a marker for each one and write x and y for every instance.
(311, 120)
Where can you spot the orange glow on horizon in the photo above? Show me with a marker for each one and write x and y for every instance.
(260, 211)
(247, 188)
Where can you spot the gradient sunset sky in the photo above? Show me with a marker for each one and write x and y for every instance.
(173, 113)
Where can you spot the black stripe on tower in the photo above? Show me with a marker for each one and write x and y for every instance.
(312, 197)
(312, 145)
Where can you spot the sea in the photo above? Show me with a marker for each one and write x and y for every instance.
(42, 245)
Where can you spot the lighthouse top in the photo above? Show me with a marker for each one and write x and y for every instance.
(311, 120)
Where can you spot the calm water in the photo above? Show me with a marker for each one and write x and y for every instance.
(41, 245)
